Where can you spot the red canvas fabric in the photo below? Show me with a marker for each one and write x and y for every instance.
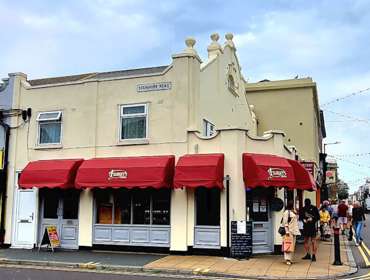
(127, 172)
(59, 173)
(303, 179)
(200, 170)
(262, 170)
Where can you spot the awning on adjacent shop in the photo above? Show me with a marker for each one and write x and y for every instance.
(303, 179)
(262, 170)
(126, 172)
(200, 170)
(59, 173)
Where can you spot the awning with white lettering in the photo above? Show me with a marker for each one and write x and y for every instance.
(127, 172)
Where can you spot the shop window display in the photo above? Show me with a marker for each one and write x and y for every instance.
(138, 206)
(207, 206)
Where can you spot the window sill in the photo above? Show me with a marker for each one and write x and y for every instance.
(129, 142)
(47, 147)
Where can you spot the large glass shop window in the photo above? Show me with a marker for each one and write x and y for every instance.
(161, 207)
(141, 209)
(138, 206)
(207, 206)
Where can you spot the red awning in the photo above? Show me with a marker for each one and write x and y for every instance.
(261, 170)
(126, 172)
(200, 170)
(303, 179)
(59, 173)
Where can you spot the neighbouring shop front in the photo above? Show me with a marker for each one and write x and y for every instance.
(132, 199)
(57, 200)
(270, 182)
(203, 174)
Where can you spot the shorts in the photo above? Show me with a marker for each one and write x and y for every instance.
(342, 220)
(309, 230)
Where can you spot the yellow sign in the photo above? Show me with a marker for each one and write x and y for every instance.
(1, 159)
(53, 236)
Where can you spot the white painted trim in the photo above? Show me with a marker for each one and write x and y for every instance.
(121, 116)
(49, 145)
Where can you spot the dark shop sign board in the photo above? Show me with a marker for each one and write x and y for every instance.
(241, 239)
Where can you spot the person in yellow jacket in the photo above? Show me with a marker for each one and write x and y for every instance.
(324, 221)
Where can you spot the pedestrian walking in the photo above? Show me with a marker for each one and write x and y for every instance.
(342, 216)
(290, 222)
(334, 209)
(310, 216)
(358, 217)
(350, 221)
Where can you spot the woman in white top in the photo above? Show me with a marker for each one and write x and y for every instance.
(290, 222)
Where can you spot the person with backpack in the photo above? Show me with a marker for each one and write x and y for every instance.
(309, 214)
(290, 223)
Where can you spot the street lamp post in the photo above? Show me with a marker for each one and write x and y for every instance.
(333, 143)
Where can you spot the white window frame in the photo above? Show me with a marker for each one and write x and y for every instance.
(208, 128)
(58, 118)
(121, 116)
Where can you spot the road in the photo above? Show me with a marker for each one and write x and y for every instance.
(32, 273)
(362, 255)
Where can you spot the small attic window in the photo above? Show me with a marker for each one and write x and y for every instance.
(231, 85)
(231, 82)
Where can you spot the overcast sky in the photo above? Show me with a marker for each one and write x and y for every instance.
(326, 40)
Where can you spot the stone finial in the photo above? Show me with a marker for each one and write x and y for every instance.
(214, 48)
(229, 40)
(190, 42)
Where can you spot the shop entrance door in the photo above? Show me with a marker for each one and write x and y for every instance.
(60, 208)
(258, 205)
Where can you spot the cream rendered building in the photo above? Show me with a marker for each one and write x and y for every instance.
(187, 107)
(292, 106)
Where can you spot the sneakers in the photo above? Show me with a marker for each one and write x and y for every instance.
(313, 258)
(288, 262)
(307, 257)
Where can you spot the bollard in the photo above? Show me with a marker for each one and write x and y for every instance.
(337, 260)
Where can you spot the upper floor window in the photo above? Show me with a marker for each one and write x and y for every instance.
(49, 127)
(134, 121)
(208, 128)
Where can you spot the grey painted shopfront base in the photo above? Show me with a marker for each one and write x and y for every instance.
(207, 237)
(132, 235)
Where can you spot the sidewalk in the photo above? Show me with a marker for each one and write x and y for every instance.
(261, 266)
(264, 266)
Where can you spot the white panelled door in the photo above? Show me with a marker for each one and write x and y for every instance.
(25, 219)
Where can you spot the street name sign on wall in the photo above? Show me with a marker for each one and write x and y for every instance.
(154, 87)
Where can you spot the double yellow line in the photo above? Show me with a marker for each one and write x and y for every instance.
(362, 249)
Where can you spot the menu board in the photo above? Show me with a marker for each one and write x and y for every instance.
(50, 238)
(53, 236)
(241, 239)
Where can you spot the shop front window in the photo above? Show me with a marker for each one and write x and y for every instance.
(141, 207)
(70, 205)
(138, 206)
(207, 206)
(161, 207)
(122, 210)
(51, 204)
(104, 208)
